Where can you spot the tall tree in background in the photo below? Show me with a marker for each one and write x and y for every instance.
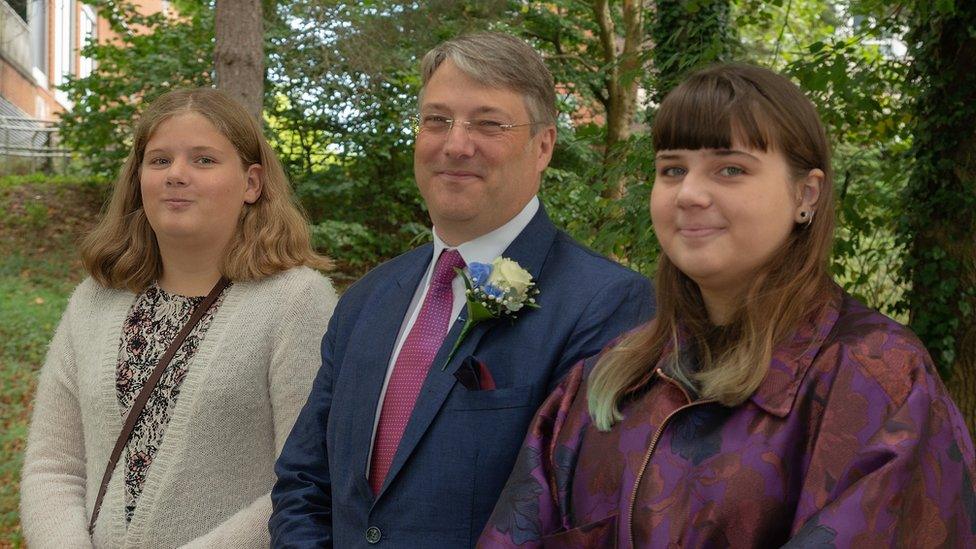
(239, 52)
(940, 220)
(687, 35)
(621, 49)
(598, 52)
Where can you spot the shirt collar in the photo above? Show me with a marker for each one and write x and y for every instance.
(487, 247)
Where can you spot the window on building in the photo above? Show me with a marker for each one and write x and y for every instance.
(87, 32)
(20, 7)
(37, 21)
(64, 40)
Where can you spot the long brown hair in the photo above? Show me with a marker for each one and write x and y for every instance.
(758, 108)
(272, 233)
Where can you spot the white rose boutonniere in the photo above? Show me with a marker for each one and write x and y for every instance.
(508, 275)
(496, 290)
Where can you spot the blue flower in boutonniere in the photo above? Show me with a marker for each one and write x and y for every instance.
(497, 290)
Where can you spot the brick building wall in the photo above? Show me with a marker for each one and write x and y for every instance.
(30, 84)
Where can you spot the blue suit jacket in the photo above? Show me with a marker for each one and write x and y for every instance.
(459, 445)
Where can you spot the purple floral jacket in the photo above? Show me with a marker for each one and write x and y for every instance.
(850, 441)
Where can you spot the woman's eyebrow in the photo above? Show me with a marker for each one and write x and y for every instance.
(667, 156)
(733, 152)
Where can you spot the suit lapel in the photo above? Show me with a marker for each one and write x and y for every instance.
(529, 249)
(532, 245)
(373, 339)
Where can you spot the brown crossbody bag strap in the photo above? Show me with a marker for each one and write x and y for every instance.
(143, 397)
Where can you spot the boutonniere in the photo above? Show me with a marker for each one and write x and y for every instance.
(497, 290)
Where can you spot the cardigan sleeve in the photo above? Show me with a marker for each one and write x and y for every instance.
(294, 360)
(889, 467)
(52, 487)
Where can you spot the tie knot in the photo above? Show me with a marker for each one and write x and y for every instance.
(444, 269)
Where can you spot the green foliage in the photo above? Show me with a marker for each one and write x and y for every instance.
(688, 34)
(152, 55)
(940, 205)
(343, 80)
(8, 181)
(38, 268)
(575, 199)
(29, 311)
(567, 35)
(867, 257)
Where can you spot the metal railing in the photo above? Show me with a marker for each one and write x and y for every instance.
(29, 143)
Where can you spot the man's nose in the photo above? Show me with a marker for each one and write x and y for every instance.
(458, 142)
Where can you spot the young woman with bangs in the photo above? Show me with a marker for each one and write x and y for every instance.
(763, 406)
(181, 363)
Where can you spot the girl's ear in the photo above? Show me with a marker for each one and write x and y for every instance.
(809, 195)
(254, 185)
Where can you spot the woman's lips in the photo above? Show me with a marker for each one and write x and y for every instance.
(177, 203)
(699, 232)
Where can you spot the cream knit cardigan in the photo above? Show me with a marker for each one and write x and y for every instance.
(210, 482)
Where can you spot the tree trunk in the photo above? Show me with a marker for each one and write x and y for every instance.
(940, 207)
(239, 52)
(622, 56)
(962, 381)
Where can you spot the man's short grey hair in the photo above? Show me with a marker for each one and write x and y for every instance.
(499, 60)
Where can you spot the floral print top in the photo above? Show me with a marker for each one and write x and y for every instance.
(851, 440)
(151, 326)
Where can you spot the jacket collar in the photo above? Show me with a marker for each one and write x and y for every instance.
(792, 359)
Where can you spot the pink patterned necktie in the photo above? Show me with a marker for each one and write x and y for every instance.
(418, 351)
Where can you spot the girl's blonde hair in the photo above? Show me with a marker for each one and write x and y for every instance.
(272, 234)
(758, 108)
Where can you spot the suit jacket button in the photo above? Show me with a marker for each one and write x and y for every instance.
(373, 535)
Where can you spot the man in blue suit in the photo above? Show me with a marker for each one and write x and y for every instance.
(401, 442)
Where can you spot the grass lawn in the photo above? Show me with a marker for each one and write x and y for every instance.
(40, 223)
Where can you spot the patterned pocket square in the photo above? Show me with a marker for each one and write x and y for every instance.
(474, 375)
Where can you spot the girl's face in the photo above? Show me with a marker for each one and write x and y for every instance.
(193, 183)
(720, 214)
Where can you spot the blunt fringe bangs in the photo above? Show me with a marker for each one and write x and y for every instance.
(709, 115)
(717, 108)
(272, 236)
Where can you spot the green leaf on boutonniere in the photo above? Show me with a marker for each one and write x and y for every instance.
(496, 298)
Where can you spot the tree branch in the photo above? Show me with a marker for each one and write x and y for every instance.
(601, 9)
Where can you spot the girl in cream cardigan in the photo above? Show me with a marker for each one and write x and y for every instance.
(201, 196)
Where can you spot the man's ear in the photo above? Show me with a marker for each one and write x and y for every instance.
(546, 139)
(254, 185)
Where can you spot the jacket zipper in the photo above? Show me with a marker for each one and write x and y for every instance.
(650, 450)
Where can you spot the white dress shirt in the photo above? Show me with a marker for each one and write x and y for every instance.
(483, 249)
